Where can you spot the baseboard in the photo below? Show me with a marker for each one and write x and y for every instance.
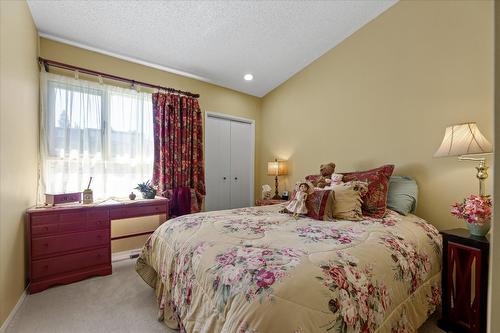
(124, 255)
(13, 312)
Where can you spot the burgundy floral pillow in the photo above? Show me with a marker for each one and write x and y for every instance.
(320, 205)
(375, 200)
(313, 179)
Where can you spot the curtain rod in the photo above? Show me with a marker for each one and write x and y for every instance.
(47, 63)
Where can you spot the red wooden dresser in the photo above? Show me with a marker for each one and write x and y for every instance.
(70, 243)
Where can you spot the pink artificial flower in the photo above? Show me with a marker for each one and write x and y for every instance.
(474, 209)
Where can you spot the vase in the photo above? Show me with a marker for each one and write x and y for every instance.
(479, 230)
(149, 195)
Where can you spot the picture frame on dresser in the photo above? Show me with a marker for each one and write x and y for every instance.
(72, 242)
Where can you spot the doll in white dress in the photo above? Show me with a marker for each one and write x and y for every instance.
(297, 205)
(336, 179)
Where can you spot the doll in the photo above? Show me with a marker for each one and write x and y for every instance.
(297, 205)
(336, 179)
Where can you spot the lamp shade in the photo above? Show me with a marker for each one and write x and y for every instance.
(277, 168)
(463, 139)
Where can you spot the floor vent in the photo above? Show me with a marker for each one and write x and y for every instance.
(125, 255)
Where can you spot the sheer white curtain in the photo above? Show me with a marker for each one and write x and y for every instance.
(91, 129)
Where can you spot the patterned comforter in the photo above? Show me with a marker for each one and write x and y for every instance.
(256, 270)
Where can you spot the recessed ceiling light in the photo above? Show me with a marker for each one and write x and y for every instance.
(248, 77)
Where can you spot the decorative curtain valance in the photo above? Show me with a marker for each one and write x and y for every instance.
(178, 142)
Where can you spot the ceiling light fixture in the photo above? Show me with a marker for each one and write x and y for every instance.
(248, 77)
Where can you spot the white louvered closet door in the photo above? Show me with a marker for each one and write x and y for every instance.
(217, 163)
(241, 164)
(229, 163)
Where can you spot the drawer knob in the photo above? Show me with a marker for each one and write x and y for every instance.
(46, 229)
(46, 244)
(46, 267)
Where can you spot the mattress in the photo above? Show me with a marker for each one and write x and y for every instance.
(257, 270)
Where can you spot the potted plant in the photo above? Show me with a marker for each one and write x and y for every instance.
(476, 211)
(147, 189)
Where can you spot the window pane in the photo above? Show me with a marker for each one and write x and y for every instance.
(131, 124)
(95, 130)
(75, 107)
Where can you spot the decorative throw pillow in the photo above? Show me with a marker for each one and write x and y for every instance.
(347, 200)
(402, 195)
(375, 200)
(314, 179)
(320, 205)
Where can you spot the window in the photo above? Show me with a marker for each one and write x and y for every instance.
(90, 129)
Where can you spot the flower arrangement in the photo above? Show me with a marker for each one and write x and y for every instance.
(474, 209)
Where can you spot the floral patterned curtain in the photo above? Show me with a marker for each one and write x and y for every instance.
(178, 141)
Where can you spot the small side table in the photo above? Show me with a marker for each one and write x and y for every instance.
(267, 202)
(464, 282)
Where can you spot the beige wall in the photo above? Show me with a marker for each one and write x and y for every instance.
(385, 95)
(213, 98)
(494, 286)
(18, 144)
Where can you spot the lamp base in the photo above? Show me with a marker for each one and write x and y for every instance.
(276, 193)
(482, 171)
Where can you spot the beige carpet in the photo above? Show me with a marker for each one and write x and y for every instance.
(121, 302)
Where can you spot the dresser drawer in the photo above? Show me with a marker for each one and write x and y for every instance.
(72, 217)
(38, 230)
(44, 229)
(127, 212)
(72, 226)
(98, 215)
(44, 219)
(97, 224)
(70, 262)
(56, 244)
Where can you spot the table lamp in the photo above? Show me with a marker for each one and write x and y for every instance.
(276, 168)
(464, 140)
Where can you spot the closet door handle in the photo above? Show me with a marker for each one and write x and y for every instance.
(224, 178)
(235, 178)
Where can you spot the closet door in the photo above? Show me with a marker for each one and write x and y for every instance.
(217, 173)
(241, 164)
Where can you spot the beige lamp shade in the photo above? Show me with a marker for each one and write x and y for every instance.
(463, 139)
(277, 168)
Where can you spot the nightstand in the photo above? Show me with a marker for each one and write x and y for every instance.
(464, 282)
(267, 202)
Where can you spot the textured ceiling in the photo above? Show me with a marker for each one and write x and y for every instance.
(215, 41)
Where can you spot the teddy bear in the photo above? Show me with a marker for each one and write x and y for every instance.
(326, 171)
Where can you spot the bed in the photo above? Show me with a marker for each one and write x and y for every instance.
(257, 270)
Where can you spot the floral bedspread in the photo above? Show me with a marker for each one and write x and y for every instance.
(256, 270)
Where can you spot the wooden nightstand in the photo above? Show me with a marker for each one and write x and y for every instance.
(464, 282)
(267, 202)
